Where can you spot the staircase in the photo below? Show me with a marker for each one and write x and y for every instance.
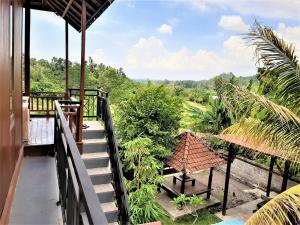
(96, 159)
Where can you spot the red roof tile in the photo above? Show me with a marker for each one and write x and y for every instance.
(193, 154)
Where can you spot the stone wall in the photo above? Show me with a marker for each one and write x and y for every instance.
(254, 175)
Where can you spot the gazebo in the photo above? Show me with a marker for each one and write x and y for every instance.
(191, 154)
(262, 148)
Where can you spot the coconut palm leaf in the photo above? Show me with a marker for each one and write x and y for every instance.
(264, 122)
(268, 138)
(280, 61)
(284, 209)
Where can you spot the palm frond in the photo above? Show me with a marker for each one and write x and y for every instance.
(279, 60)
(258, 107)
(270, 138)
(264, 122)
(284, 209)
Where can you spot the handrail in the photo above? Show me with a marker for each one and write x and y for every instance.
(90, 101)
(77, 195)
(104, 113)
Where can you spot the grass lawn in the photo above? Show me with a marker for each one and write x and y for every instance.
(204, 218)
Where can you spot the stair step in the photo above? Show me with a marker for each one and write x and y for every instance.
(101, 175)
(93, 134)
(95, 147)
(95, 141)
(95, 160)
(95, 155)
(111, 211)
(105, 192)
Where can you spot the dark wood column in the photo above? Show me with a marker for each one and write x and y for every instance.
(183, 182)
(227, 177)
(210, 182)
(67, 59)
(285, 175)
(273, 159)
(27, 49)
(83, 30)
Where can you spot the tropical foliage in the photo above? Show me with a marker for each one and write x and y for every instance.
(282, 210)
(143, 187)
(271, 119)
(153, 112)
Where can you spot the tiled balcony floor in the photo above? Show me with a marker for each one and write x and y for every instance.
(36, 193)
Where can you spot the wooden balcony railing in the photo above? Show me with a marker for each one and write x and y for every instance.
(79, 202)
(104, 114)
(42, 103)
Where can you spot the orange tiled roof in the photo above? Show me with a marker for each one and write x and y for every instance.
(193, 154)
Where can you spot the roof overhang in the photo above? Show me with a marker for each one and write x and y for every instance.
(70, 10)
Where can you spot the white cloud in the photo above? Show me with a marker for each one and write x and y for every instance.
(48, 17)
(99, 56)
(150, 56)
(165, 29)
(199, 4)
(291, 35)
(233, 23)
(280, 9)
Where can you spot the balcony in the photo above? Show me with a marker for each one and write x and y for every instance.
(64, 180)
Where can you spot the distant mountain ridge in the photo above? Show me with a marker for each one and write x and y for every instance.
(243, 81)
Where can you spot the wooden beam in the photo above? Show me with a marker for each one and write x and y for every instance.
(210, 182)
(67, 8)
(272, 162)
(27, 49)
(67, 59)
(83, 30)
(226, 186)
(285, 175)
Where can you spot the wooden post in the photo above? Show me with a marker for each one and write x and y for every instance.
(210, 182)
(183, 182)
(273, 159)
(285, 175)
(83, 29)
(226, 186)
(67, 59)
(27, 49)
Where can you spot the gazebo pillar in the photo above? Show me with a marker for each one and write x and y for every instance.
(272, 162)
(210, 182)
(226, 186)
(183, 181)
(285, 175)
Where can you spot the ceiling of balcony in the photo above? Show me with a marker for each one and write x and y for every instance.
(70, 10)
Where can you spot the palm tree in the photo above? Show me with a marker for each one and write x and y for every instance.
(272, 119)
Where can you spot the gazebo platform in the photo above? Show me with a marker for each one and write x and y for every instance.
(164, 200)
(174, 189)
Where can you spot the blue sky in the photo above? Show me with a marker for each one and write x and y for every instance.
(171, 39)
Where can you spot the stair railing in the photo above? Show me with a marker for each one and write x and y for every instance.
(104, 113)
(78, 200)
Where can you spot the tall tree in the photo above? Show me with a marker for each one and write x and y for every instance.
(153, 112)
